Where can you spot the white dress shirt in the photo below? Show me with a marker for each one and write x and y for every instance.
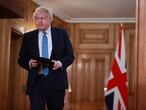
(49, 37)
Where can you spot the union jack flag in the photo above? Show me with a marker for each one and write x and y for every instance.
(116, 94)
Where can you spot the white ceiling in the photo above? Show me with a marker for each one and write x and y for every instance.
(102, 11)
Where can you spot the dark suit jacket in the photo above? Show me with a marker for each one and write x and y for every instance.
(61, 50)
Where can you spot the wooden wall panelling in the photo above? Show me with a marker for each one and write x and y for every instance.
(31, 23)
(94, 44)
(130, 54)
(89, 79)
(5, 58)
(16, 94)
(26, 5)
(57, 22)
(3, 83)
(17, 77)
(94, 36)
(141, 54)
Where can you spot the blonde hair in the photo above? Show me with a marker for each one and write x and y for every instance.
(40, 9)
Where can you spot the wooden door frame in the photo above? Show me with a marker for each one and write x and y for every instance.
(9, 26)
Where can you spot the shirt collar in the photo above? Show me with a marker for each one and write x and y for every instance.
(48, 30)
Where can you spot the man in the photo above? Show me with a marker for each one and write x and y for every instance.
(46, 83)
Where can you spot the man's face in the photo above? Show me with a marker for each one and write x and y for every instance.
(42, 21)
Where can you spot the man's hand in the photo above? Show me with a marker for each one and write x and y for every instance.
(57, 64)
(33, 63)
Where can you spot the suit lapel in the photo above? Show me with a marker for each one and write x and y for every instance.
(36, 46)
(54, 41)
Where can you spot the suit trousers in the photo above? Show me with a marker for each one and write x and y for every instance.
(44, 95)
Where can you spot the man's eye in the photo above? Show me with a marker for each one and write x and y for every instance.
(40, 18)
